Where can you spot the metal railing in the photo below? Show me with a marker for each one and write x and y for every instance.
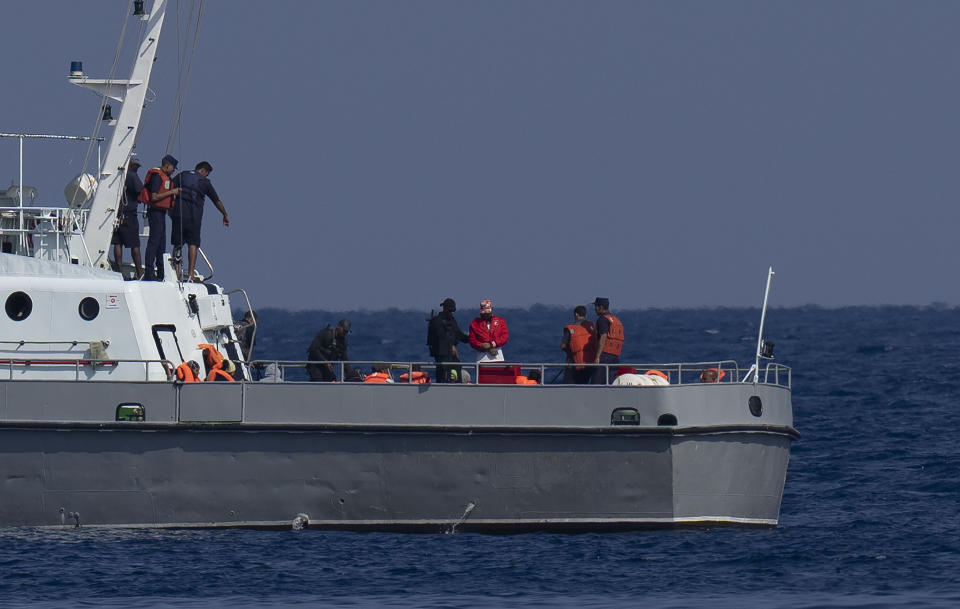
(505, 373)
(78, 365)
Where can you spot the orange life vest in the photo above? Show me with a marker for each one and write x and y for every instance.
(185, 374)
(219, 374)
(614, 344)
(717, 375)
(211, 357)
(419, 377)
(583, 342)
(658, 373)
(522, 380)
(376, 377)
(145, 196)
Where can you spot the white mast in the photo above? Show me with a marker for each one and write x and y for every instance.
(131, 93)
(763, 318)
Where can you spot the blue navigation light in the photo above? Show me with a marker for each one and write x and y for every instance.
(76, 69)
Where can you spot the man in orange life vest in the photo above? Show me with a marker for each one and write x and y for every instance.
(580, 344)
(609, 341)
(158, 195)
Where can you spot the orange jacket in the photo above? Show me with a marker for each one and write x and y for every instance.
(418, 377)
(376, 377)
(164, 203)
(219, 374)
(185, 374)
(583, 342)
(522, 380)
(614, 344)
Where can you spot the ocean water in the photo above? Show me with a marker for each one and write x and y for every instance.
(870, 515)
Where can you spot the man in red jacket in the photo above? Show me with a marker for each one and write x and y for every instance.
(488, 334)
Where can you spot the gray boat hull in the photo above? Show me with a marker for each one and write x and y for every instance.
(488, 470)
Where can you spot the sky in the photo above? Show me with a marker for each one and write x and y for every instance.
(385, 153)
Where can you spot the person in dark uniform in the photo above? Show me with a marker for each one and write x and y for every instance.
(329, 345)
(160, 199)
(187, 214)
(246, 330)
(127, 232)
(609, 342)
(443, 334)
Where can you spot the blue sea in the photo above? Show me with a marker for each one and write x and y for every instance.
(870, 515)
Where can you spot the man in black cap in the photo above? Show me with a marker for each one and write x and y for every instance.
(127, 232)
(443, 334)
(159, 194)
(329, 345)
(609, 340)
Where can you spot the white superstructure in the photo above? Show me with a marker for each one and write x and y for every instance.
(68, 315)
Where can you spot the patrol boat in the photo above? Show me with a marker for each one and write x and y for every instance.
(94, 431)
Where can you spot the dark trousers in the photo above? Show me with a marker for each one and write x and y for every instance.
(600, 373)
(153, 262)
(319, 373)
(578, 377)
(443, 372)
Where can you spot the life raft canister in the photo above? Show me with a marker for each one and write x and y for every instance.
(583, 342)
(614, 343)
(376, 377)
(185, 374)
(165, 186)
(419, 377)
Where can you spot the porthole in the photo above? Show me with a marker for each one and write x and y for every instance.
(89, 308)
(667, 420)
(19, 306)
(756, 405)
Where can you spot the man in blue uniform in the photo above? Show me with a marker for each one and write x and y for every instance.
(187, 215)
(159, 199)
(127, 232)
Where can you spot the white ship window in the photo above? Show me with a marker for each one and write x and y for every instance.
(19, 306)
(89, 308)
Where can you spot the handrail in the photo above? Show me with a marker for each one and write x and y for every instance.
(678, 373)
(253, 337)
(77, 364)
(49, 342)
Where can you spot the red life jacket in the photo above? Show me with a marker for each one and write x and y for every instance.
(147, 199)
(614, 344)
(185, 374)
(583, 342)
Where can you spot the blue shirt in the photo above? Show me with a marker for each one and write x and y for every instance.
(131, 188)
(194, 188)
